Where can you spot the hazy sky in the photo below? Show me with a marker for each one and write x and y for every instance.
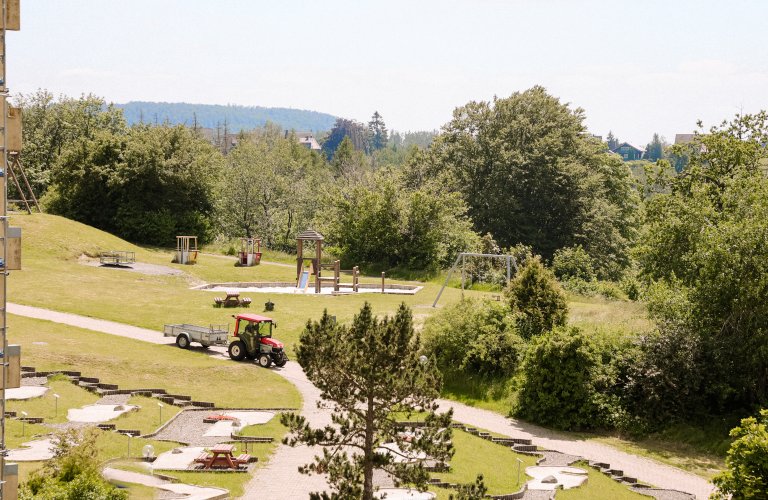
(636, 67)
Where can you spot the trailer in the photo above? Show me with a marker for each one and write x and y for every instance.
(206, 336)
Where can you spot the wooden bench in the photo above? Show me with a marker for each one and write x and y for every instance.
(202, 458)
(232, 300)
(243, 458)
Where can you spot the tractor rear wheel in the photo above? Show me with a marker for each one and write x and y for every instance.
(265, 360)
(182, 341)
(237, 350)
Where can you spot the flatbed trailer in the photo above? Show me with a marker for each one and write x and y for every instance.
(204, 335)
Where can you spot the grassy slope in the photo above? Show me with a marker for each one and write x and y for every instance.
(54, 278)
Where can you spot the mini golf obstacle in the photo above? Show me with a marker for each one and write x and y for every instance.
(117, 258)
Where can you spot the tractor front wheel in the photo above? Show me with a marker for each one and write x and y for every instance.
(265, 360)
(182, 341)
(237, 350)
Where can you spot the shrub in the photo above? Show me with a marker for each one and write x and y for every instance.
(474, 337)
(536, 299)
(573, 262)
(747, 462)
(593, 288)
(563, 382)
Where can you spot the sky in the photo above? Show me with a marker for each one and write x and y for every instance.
(635, 67)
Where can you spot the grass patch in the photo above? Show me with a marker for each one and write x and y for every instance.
(599, 487)
(148, 417)
(235, 483)
(72, 396)
(496, 463)
(490, 394)
(133, 364)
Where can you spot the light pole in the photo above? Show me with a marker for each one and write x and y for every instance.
(56, 399)
(160, 405)
(130, 438)
(23, 422)
(519, 462)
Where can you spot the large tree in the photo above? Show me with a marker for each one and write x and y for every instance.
(371, 374)
(704, 247)
(531, 174)
(377, 132)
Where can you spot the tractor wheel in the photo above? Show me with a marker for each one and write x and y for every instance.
(237, 350)
(182, 341)
(265, 360)
(250, 356)
(282, 362)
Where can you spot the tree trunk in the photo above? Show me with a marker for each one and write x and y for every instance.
(368, 463)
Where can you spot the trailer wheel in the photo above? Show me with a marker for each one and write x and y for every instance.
(265, 360)
(182, 341)
(237, 350)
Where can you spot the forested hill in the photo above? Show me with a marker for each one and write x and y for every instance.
(236, 117)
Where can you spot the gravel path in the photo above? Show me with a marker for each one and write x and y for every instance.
(188, 491)
(280, 479)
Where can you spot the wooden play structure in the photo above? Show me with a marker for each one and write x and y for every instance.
(186, 250)
(250, 252)
(307, 267)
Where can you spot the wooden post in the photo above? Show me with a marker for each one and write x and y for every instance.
(462, 275)
(299, 259)
(319, 251)
(382, 282)
(355, 278)
(336, 273)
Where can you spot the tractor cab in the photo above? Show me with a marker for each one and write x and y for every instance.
(254, 341)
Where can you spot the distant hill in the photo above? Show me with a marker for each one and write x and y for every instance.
(237, 117)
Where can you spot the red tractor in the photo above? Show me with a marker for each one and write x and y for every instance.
(254, 341)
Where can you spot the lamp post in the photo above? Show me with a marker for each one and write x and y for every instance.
(160, 406)
(519, 462)
(56, 400)
(130, 438)
(23, 422)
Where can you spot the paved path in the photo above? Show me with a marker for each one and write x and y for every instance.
(280, 478)
(191, 492)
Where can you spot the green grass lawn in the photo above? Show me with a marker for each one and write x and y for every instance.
(71, 396)
(133, 364)
(148, 418)
(599, 487)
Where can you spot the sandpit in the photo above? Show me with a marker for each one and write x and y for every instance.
(290, 288)
(26, 392)
(93, 414)
(566, 477)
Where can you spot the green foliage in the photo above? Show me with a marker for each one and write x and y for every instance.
(573, 262)
(384, 225)
(530, 175)
(705, 243)
(72, 474)
(475, 491)
(267, 189)
(474, 337)
(366, 372)
(593, 288)
(747, 461)
(377, 133)
(536, 299)
(147, 185)
(654, 151)
(562, 382)
(351, 129)
(51, 125)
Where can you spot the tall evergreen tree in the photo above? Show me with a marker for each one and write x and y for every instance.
(612, 140)
(655, 149)
(377, 132)
(371, 373)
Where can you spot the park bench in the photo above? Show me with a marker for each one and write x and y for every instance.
(243, 459)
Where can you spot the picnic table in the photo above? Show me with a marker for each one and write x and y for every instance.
(221, 456)
(232, 300)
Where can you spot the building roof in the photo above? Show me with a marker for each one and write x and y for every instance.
(310, 142)
(310, 234)
(617, 148)
(684, 138)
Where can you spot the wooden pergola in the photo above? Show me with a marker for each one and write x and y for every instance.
(310, 235)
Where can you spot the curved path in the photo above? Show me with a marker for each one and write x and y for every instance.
(190, 492)
(280, 478)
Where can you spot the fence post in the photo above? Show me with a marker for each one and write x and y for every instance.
(382, 282)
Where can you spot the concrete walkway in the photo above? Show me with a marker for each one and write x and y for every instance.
(280, 478)
(191, 492)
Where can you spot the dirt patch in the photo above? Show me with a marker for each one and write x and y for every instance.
(137, 267)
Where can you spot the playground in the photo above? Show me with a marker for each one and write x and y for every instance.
(145, 301)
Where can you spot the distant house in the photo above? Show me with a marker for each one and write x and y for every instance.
(306, 139)
(684, 138)
(628, 152)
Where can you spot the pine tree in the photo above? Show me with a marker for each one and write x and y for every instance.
(372, 374)
(377, 132)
